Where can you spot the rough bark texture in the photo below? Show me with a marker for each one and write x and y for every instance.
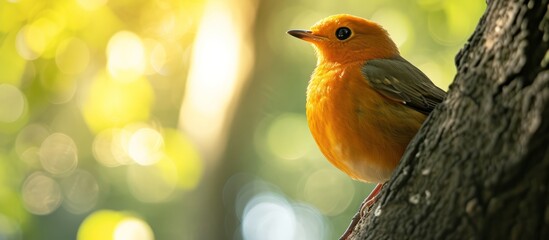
(479, 167)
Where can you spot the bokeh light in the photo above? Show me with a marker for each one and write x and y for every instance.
(320, 190)
(312, 224)
(126, 57)
(269, 217)
(288, 136)
(146, 146)
(41, 194)
(100, 225)
(38, 37)
(113, 225)
(12, 103)
(112, 103)
(9, 229)
(109, 147)
(133, 229)
(180, 115)
(58, 154)
(28, 141)
(81, 191)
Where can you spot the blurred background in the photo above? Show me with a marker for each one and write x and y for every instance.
(179, 119)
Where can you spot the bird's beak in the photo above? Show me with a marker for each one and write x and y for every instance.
(306, 35)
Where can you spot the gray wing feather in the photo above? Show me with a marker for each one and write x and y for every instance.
(399, 80)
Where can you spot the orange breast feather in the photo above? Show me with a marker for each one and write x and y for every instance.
(358, 130)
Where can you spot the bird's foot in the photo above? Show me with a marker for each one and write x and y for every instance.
(365, 208)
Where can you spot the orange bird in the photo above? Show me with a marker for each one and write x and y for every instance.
(364, 101)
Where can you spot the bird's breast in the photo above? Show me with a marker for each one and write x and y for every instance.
(358, 130)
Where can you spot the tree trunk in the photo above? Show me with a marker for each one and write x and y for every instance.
(479, 167)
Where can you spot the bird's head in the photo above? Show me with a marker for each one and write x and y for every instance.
(345, 38)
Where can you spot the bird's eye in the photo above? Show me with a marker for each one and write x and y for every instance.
(343, 33)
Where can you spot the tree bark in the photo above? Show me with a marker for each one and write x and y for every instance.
(479, 166)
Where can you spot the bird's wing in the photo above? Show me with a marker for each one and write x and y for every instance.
(399, 80)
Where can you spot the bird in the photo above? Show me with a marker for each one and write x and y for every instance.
(364, 101)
